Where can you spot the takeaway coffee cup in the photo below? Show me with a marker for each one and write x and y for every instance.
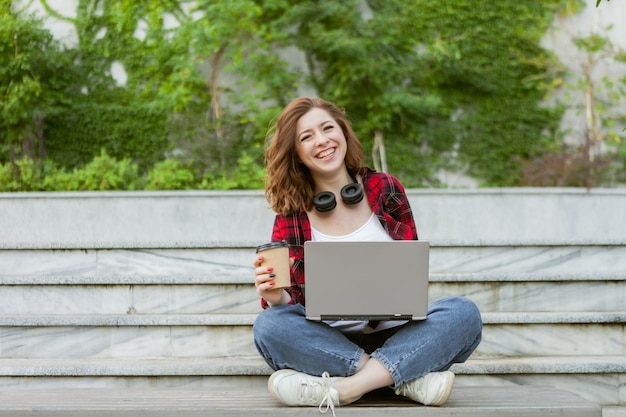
(276, 255)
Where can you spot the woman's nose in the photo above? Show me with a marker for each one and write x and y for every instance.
(320, 138)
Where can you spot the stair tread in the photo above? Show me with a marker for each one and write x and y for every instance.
(247, 319)
(237, 279)
(253, 365)
(229, 319)
(239, 365)
(467, 401)
(614, 411)
(76, 244)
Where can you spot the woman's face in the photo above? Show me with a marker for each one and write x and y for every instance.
(320, 142)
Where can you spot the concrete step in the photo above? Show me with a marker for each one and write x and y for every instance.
(196, 294)
(174, 257)
(614, 411)
(224, 259)
(595, 378)
(254, 366)
(535, 291)
(188, 335)
(464, 217)
(115, 295)
(184, 402)
(219, 279)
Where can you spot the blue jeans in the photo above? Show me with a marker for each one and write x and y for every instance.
(451, 332)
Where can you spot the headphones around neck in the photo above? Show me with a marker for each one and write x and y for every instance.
(350, 194)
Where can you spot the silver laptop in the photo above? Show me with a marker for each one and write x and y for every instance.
(366, 280)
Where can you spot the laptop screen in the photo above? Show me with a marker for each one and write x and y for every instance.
(366, 280)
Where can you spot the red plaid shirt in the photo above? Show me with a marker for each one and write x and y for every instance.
(389, 203)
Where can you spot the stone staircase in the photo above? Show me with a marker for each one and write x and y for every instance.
(93, 311)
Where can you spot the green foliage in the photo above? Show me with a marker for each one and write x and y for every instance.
(104, 173)
(128, 120)
(370, 66)
(494, 76)
(31, 82)
(188, 64)
(600, 96)
(170, 175)
(74, 134)
(247, 175)
(447, 83)
(244, 81)
(598, 157)
(22, 175)
(431, 85)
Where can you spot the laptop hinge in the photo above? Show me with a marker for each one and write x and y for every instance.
(369, 317)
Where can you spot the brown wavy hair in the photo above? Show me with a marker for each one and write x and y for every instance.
(289, 185)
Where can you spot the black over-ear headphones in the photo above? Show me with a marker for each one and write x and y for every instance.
(350, 194)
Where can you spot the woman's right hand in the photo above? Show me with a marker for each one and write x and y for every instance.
(264, 282)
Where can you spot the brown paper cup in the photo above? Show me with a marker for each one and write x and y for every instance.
(276, 255)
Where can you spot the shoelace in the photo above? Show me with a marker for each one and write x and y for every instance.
(416, 387)
(310, 388)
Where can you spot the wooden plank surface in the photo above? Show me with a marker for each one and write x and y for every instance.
(509, 401)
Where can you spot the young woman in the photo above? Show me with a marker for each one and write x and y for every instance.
(314, 150)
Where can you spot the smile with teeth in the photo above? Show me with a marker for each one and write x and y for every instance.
(326, 153)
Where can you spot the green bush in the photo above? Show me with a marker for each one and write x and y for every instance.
(103, 173)
(106, 173)
(74, 134)
(247, 175)
(24, 175)
(170, 175)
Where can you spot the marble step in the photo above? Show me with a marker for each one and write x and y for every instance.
(220, 263)
(526, 401)
(215, 335)
(253, 365)
(492, 292)
(597, 379)
(541, 292)
(610, 411)
(190, 218)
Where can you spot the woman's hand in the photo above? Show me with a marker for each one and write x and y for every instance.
(264, 282)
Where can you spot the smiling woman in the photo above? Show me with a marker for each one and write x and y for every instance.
(290, 182)
(313, 152)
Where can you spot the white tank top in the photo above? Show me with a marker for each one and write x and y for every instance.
(371, 231)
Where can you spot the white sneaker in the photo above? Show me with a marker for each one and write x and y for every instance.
(300, 389)
(431, 389)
